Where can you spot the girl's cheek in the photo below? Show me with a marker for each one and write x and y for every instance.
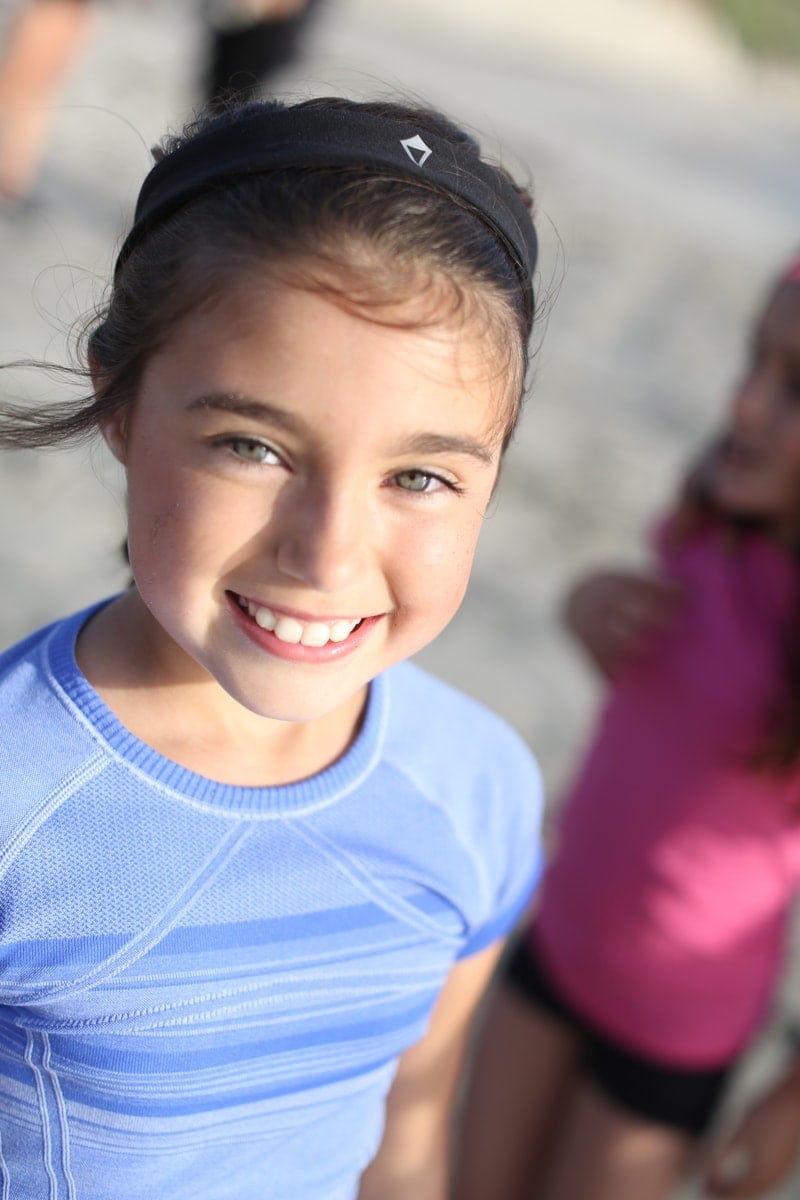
(449, 556)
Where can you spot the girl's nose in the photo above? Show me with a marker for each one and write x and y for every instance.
(322, 539)
(753, 405)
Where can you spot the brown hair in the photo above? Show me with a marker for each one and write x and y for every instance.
(366, 235)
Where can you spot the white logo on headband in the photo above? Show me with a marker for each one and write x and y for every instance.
(416, 149)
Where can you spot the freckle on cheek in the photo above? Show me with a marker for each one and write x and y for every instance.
(160, 522)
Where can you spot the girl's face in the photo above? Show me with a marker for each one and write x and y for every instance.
(758, 474)
(305, 493)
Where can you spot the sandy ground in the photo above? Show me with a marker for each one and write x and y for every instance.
(665, 172)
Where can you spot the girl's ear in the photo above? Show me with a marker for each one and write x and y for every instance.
(114, 428)
(113, 425)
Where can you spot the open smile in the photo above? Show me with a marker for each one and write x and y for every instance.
(290, 636)
(292, 631)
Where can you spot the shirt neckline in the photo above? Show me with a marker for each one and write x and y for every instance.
(306, 795)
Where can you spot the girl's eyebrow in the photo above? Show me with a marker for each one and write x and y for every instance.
(245, 406)
(419, 443)
(444, 443)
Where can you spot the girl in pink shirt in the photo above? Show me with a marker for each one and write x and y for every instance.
(659, 934)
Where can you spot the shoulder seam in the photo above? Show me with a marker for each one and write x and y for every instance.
(66, 787)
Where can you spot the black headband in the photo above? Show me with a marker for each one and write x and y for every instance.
(272, 139)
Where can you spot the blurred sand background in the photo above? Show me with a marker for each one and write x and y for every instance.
(666, 173)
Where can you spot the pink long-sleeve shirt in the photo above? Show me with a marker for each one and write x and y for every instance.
(663, 915)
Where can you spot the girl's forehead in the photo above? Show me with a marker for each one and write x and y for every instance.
(446, 327)
(377, 290)
(273, 330)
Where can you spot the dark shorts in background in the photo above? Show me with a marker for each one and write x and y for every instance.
(683, 1099)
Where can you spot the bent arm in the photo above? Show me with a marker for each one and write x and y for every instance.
(762, 1149)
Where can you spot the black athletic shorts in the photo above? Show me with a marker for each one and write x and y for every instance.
(683, 1099)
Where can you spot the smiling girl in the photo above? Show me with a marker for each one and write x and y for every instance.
(253, 889)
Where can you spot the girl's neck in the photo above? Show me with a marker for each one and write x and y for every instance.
(186, 716)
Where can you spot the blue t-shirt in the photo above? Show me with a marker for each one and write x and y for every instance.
(205, 988)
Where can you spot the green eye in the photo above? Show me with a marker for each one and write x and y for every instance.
(414, 481)
(252, 449)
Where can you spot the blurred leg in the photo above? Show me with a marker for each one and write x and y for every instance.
(41, 43)
(242, 59)
(522, 1069)
(605, 1153)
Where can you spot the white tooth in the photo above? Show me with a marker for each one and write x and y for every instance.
(264, 617)
(288, 630)
(341, 630)
(315, 634)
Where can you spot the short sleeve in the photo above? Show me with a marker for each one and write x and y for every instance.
(511, 846)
